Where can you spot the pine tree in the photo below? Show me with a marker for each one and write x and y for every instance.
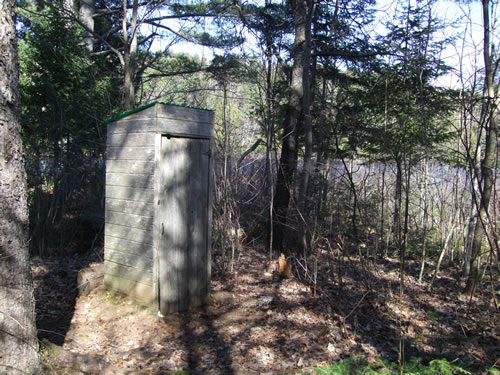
(19, 346)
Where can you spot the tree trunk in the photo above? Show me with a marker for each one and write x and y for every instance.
(404, 243)
(424, 199)
(269, 138)
(130, 55)
(308, 130)
(19, 346)
(397, 203)
(288, 159)
(451, 229)
(489, 114)
(86, 15)
(322, 165)
(383, 249)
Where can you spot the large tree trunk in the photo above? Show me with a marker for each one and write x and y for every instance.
(269, 136)
(288, 160)
(19, 348)
(87, 11)
(130, 55)
(489, 114)
(307, 99)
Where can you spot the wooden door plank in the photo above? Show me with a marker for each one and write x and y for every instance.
(184, 215)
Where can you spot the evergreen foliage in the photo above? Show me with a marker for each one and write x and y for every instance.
(65, 97)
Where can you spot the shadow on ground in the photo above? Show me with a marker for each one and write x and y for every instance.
(257, 323)
(56, 292)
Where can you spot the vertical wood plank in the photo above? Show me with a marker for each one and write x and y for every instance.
(184, 216)
(208, 266)
(157, 218)
(199, 190)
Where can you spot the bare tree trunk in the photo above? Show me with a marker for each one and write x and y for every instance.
(404, 243)
(424, 199)
(468, 245)
(383, 249)
(444, 247)
(269, 137)
(288, 160)
(384, 254)
(322, 165)
(19, 346)
(489, 114)
(130, 55)
(397, 203)
(308, 130)
(87, 11)
(349, 171)
(426, 160)
(69, 6)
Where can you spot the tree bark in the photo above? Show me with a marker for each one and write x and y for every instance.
(130, 55)
(19, 346)
(397, 203)
(269, 137)
(404, 244)
(489, 114)
(288, 159)
(87, 11)
(307, 99)
(383, 249)
(424, 199)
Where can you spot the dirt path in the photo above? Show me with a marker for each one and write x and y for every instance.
(258, 324)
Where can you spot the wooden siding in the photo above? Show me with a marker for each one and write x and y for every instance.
(130, 166)
(161, 125)
(156, 225)
(130, 153)
(190, 129)
(185, 115)
(130, 207)
(161, 119)
(131, 180)
(129, 233)
(142, 293)
(211, 187)
(131, 140)
(127, 272)
(130, 247)
(128, 257)
(135, 221)
(128, 125)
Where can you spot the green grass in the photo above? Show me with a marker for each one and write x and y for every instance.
(358, 366)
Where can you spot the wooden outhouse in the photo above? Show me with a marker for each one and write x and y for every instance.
(158, 205)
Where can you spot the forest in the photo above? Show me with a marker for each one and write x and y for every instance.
(356, 202)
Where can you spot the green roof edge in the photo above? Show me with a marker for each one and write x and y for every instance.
(143, 107)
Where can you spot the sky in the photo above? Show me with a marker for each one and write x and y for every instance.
(464, 56)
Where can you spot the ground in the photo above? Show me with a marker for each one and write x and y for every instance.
(258, 323)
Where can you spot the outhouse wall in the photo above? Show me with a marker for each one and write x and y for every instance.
(137, 256)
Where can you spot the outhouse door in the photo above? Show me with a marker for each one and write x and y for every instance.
(183, 272)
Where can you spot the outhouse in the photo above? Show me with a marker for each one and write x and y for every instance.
(158, 205)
